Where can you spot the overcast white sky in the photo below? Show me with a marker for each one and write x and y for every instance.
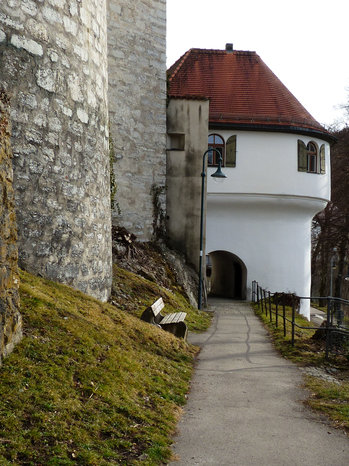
(304, 42)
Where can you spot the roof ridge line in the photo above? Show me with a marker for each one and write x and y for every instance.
(223, 51)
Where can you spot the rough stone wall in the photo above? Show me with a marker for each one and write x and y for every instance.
(10, 319)
(53, 61)
(137, 108)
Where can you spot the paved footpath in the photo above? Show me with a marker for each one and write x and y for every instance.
(245, 405)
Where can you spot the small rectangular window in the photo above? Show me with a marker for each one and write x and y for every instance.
(176, 141)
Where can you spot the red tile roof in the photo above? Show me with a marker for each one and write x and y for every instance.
(242, 90)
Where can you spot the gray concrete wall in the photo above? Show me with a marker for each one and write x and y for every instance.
(53, 61)
(187, 135)
(10, 318)
(137, 108)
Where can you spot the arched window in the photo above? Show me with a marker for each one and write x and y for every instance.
(215, 142)
(310, 158)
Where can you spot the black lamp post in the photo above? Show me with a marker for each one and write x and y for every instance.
(217, 174)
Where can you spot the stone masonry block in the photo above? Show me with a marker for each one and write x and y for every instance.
(28, 44)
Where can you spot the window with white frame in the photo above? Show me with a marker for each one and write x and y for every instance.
(311, 159)
(227, 150)
(215, 141)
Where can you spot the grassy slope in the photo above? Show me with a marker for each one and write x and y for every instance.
(134, 293)
(90, 384)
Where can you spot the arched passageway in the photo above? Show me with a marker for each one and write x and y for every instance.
(226, 275)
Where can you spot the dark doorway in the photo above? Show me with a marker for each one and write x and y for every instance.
(226, 275)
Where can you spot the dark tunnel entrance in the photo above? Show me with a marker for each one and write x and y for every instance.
(226, 275)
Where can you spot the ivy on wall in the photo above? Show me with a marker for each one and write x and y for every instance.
(159, 228)
(10, 319)
(113, 187)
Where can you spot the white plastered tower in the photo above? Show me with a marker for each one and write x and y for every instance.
(262, 213)
(276, 157)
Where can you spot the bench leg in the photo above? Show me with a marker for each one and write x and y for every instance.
(179, 329)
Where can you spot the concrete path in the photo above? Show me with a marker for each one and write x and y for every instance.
(317, 317)
(245, 405)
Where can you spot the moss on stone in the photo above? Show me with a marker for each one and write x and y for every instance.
(10, 319)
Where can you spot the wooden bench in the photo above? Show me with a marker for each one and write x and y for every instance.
(173, 323)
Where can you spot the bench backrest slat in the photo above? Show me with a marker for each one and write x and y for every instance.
(157, 306)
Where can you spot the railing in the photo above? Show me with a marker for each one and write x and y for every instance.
(336, 335)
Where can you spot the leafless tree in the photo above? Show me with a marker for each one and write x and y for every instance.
(331, 226)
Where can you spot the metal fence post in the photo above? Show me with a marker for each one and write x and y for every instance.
(266, 299)
(262, 299)
(284, 312)
(293, 320)
(328, 331)
(276, 297)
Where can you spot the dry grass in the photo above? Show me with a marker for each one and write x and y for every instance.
(134, 293)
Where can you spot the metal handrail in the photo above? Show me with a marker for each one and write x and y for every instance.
(262, 297)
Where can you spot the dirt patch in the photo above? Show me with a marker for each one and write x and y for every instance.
(155, 262)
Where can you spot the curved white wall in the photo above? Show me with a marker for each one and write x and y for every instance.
(268, 163)
(262, 212)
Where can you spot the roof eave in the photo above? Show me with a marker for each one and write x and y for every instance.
(188, 97)
(280, 128)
